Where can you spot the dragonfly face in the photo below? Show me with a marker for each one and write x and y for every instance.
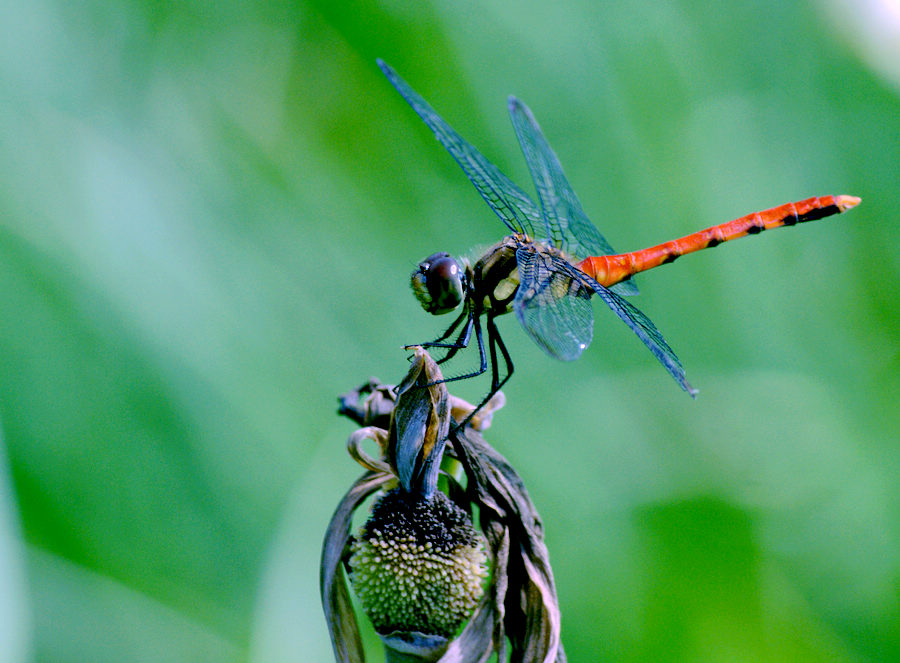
(439, 283)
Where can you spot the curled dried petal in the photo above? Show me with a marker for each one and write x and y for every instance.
(481, 420)
(339, 614)
(354, 448)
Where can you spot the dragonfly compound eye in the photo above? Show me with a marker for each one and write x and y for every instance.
(437, 283)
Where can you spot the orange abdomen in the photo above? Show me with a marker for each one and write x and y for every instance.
(609, 270)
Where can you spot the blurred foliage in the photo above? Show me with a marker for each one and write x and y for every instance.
(208, 213)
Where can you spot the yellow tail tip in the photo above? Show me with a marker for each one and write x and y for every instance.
(847, 202)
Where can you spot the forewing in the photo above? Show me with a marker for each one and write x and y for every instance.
(569, 228)
(508, 201)
(553, 307)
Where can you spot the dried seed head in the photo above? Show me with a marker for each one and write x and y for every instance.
(418, 565)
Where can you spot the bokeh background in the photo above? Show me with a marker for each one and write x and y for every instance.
(208, 215)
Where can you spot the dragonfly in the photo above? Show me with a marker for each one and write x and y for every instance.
(554, 260)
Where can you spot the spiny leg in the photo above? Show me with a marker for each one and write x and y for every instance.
(462, 341)
(465, 314)
(476, 324)
(494, 341)
(436, 343)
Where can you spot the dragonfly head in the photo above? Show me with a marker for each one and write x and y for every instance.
(437, 283)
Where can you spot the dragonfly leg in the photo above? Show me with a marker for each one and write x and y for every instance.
(494, 342)
(462, 340)
(436, 343)
(475, 324)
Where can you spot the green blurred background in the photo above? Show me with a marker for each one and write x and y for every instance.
(208, 215)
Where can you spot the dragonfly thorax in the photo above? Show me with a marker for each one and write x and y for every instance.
(496, 276)
(439, 283)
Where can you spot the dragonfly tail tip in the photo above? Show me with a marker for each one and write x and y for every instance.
(847, 202)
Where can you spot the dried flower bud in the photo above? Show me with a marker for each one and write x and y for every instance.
(418, 565)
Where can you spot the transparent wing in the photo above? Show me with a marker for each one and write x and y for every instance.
(508, 201)
(553, 305)
(646, 331)
(570, 228)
